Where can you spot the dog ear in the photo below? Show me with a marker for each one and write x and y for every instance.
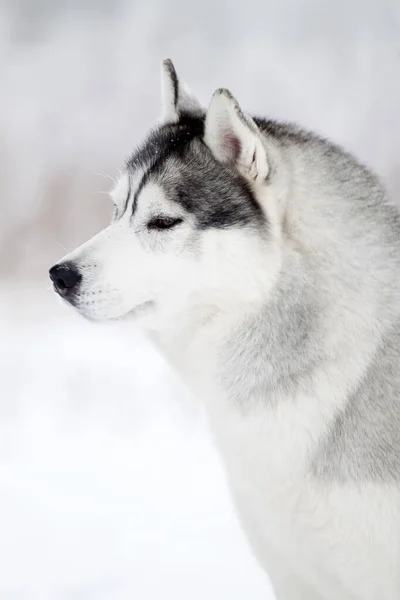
(177, 99)
(234, 138)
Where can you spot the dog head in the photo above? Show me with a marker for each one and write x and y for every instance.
(194, 225)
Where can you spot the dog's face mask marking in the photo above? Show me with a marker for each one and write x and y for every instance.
(186, 219)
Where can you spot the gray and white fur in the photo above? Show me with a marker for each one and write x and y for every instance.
(264, 262)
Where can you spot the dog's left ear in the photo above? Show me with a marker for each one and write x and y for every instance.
(234, 138)
(177, 99)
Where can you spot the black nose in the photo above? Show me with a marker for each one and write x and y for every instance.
(65, 278)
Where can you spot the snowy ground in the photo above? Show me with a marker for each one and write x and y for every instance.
(109, 485)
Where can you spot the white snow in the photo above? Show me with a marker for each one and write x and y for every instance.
(110, 487)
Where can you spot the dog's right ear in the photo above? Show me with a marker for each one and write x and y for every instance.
(177, 99)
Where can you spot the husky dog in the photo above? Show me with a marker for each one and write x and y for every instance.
(264, 262)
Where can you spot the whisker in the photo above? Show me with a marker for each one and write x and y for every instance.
(63, 247)
(114, 181)
(99, 192)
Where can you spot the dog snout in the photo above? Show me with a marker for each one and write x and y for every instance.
(66, 279)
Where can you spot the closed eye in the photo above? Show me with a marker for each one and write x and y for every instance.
(160, 223)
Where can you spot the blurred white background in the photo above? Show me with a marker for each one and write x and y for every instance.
(109, 485)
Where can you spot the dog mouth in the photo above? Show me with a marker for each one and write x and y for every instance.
(97, 312)
(93, 303)
(140, 310)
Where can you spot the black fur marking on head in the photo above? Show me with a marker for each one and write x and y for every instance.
(138, 190)
(128, 195)
(175, 156)
(166, 140)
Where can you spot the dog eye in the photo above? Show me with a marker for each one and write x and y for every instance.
(163, 223)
